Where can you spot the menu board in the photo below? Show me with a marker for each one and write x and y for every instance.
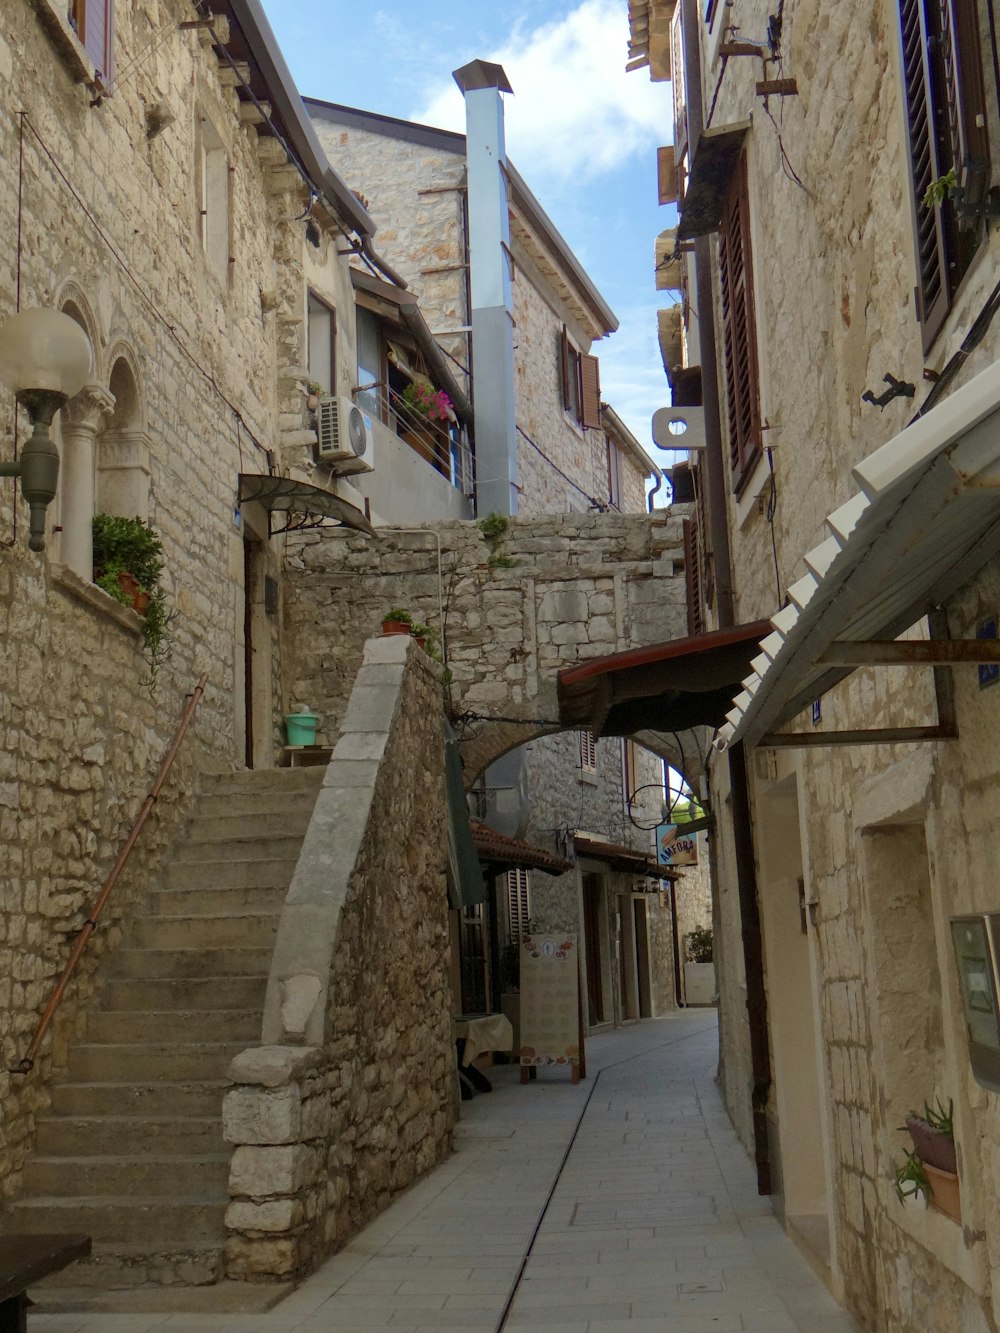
(550, 1006)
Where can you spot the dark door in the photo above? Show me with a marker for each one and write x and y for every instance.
(592, 947)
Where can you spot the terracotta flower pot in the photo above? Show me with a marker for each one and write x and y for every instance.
(140, 601)
(128, 583)
(395, 627)
(945, 1196)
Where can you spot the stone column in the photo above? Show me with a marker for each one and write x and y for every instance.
(80, 422)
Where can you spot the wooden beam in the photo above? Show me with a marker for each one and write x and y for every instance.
(727, 49)
(911, 652)
(777, 88)
(799, 740)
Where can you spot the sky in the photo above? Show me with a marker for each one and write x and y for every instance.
(582, 133)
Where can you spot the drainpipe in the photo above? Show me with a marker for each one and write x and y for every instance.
(715, 469)
(492, 316)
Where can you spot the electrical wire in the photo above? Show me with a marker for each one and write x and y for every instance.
(977, 332)
(602, 505)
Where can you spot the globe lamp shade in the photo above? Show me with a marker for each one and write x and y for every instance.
(44, 351)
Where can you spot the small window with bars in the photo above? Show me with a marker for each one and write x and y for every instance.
(588, 753)
(518, 904)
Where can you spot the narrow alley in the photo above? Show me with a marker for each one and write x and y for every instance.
(622, 1203)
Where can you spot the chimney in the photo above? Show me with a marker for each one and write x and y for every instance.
(492, 315)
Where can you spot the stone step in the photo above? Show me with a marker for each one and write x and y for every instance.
(99, 1135)
(198, 1219)
(147, 1062)
(218, 901)
(259, 780)
(197, 1098)
(115, 1267)
(191, 963)
(232, 930)
(151, 1025)
(239, 826)
(274, 801)
(205, 993)
(135, 1177)
(249, 872)
(275, 848)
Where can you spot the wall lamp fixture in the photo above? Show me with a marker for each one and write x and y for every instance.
(45, 358)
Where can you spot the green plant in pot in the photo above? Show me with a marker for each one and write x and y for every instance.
(128, 563)
(700, 945)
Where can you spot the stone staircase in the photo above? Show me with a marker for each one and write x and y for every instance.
(131, 1152)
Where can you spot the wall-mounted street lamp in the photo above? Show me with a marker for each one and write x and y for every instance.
(45, 358)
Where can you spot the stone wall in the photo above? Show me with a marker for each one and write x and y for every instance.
(579, 586)
(327, 1133)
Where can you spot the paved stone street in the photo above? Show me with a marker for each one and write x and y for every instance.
(653, 1225)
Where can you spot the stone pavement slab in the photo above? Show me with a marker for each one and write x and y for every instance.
(623, 1204)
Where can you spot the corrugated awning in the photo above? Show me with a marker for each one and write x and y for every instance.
(496, 849)
(667, 687)
(625, 859)
(306, 506)
(926, 520)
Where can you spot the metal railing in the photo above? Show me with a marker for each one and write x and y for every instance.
(443, 445)
(25, 1065)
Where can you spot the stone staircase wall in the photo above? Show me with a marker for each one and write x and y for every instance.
(353, 1093)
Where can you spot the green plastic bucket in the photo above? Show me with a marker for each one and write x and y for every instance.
(301, 727)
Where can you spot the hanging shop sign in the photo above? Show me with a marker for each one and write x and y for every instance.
(675, 846)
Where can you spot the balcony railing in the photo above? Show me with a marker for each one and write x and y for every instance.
(443, 444)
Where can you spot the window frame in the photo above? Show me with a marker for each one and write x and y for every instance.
(318, 305)
(580, 375)
(214, 187)
(946, 124)
(97, 36)
(588, 753)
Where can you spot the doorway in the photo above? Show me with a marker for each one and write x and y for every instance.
(260, 596)
(593, 892)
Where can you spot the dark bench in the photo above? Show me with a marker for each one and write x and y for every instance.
(25, 1260)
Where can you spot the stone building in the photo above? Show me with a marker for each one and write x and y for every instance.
(162, 187)
(545, 444)
(835, 171)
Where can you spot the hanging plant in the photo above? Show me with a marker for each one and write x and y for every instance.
(128, 563)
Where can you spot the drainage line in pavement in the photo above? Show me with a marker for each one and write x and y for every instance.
(512, 1294)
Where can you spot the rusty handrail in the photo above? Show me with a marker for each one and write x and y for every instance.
(26, 1065)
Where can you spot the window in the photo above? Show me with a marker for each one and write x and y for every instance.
(371, 364)
(322, 344)
(518, 904)
(588, 752)
(213, 198)
(738, 330)
(93, 21)
(581, 383)
(945, 108)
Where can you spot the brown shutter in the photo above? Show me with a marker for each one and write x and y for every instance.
(566, 368)
(518, 904)
(666, 175)
(692, 578)
(738, 331)
(97, 35)
(965, 97)
(590, 391)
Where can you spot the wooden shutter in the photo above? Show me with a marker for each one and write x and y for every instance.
(566, 366)
(590, 391)
(738, 329)
(95, 20)
(964, 96)
(518, 904)
(692, 578)
(925, 166)
(588, 752)
(666, 175)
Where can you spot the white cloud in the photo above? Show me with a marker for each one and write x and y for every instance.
(575, 113)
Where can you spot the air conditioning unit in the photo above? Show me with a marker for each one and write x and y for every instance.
(344, 436)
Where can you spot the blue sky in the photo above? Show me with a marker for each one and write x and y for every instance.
(581, 132)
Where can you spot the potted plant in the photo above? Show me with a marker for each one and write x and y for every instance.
(931, 1168)
(427, 402)
(699, 967)
(396, 621)
(426, 637)
(128, 563)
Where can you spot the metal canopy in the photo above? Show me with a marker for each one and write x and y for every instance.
(666, 687)
(926, 520)
(305, 506)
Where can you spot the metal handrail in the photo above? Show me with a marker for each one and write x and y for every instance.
(26, 1065)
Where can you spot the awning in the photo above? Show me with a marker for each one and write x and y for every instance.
(305, 506)
(626, 859)
(667, 687)
(496, 849)
(926, 520)
(715, 156)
